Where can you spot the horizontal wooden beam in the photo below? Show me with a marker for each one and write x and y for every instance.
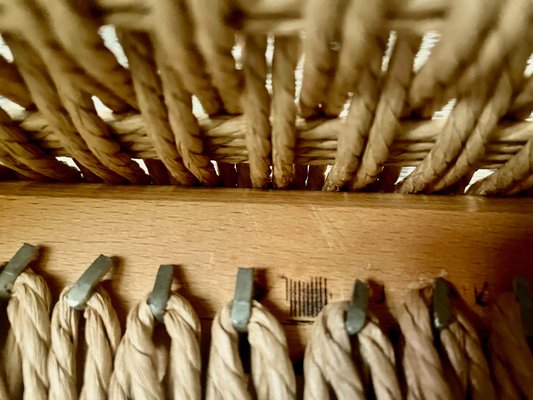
(308, 247)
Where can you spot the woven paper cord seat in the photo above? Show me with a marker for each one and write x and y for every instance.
(317, 94)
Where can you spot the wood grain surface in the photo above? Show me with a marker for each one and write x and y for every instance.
(308, 247)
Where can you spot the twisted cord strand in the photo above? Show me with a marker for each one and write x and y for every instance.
(146, 81)
(421, 363)
(12, 85)
(329, 359)
(49, 104)
(172, 29)
(283, 112)
(184, 124)
(216, 40)
(141, 367)
(461, 37)
(28, 312)
(388, 111)
(510, 354)
(102, 335)
(272, 373)
(78, 34)
(14, 142)
(257, 110)
(464, 350)
(323, 21)
(495, 109)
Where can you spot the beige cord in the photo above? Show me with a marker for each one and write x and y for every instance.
(69, 82)
(102, 336)
(272, 374)
(511, 357)
(3, 388)
(43, 92)
(184, 124)
(362, 20)
(79, 36)
(323, 21)
(422, 366)
(11, 84)
(141, 371)
(329, 361)
(460, 39)
(507, 84)
(26, 348)
(14, 142)
(172, 26)
(388, 111)
(216, 40)
(148, 87)
(283, 110)
(354, 130)
(257, 109)
(465, 353)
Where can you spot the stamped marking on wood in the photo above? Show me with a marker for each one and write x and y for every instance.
(306, 298)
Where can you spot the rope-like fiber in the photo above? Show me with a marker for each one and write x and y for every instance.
(12, 86)
(473, 148)
(329, 362)
(272, 373)
(316, 143)
(449, 142)
(27, 20)
(464, 350)
(102, 336)
(78, 104)
(216, 40)
(523, 103)
(172, 30)
(323, 22)
(390, 106)
(14, 142)
(257, 110)
(3, 388)
(421, 363)
(44, 94)
(352, 135)
(511, 31)
(460, 38)
(283, 112)
(362, 20)
(517, 169)
(520, 187)
(78, 35)
(184, 124)
(139, 372)
(14, 379)
(138, 50)
(9, 162)
(495, 109)
(511, 357)
(208, 65)
(26, 351)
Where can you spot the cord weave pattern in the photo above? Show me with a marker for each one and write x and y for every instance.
(276, 88)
